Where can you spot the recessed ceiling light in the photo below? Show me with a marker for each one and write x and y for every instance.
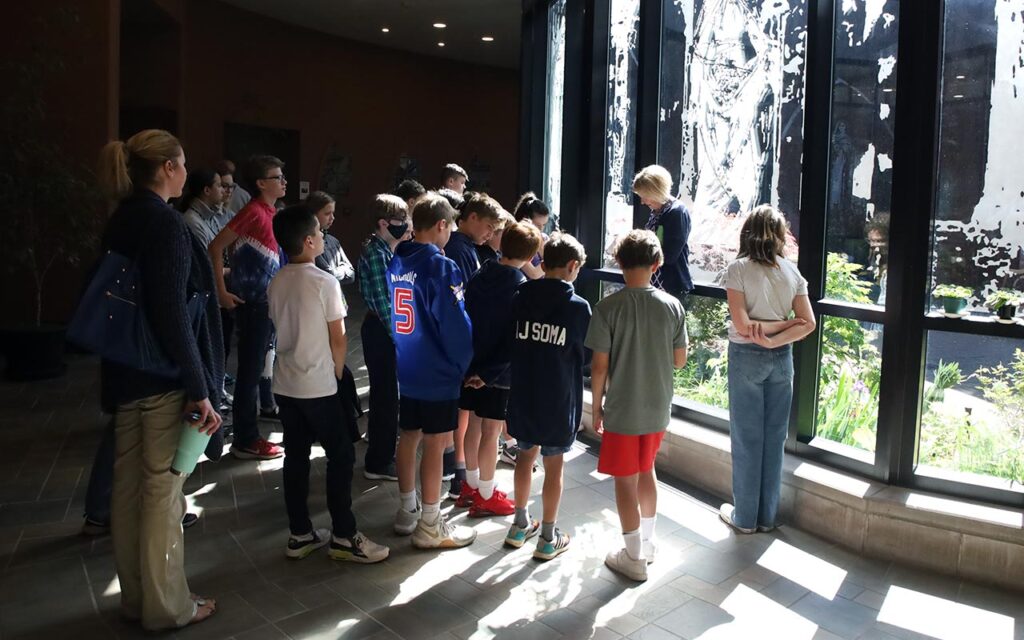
(440, 25)
(385, 30)
(440, 44)
(958, 96)
(488, 38)
(960, 77)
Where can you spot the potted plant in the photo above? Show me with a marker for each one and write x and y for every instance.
(1004, 303)
(954, 299)
(50, 216)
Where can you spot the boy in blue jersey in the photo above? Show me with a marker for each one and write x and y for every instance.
(434, 345)
(478, 220)
(546, 401)
(489, 304)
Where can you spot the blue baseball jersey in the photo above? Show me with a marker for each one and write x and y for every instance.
(433, 334)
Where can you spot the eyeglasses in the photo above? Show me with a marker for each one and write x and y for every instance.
(228, 187)
(279, 177)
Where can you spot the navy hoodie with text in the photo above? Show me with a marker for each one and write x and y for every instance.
(489, 305)
(462, 251)
(433, 334)
(545, 403)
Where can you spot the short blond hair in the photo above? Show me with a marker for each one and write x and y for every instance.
(655, 182)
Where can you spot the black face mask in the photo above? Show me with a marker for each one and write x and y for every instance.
(397, 231)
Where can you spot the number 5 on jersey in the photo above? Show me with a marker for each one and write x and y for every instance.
(404, 312)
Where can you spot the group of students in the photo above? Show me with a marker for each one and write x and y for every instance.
(473, 329)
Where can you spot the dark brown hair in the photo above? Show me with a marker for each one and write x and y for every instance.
(520, 241)
(431, 210)
(292, 225)
(560, 249)
(386, 206)
(483, 205)
(638, 248)
(318, 200)
(763, 236)
(256, 169)
(529, 205)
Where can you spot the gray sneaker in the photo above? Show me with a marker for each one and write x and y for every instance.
(441, 535)
(726, 514)
(405, 521)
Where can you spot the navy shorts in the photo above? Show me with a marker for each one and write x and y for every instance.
(487, 402)
(545, 451)
(430, 416)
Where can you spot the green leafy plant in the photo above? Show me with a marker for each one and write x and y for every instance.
(952, 291)
(1003, 297)
(947, 376)
(843, 282)
(705, 377)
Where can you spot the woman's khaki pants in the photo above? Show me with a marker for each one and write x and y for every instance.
(146, 510)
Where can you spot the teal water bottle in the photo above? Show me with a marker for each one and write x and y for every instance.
(191, 445)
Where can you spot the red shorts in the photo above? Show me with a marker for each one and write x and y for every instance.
(624, 455)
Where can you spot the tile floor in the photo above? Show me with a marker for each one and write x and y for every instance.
(706, 583)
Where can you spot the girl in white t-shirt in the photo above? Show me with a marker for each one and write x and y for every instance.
(764, 290)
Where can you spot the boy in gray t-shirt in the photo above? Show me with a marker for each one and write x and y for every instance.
(638, 336)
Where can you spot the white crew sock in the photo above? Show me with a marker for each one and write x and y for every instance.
(473, 478)
(634, 543)
(486, 489)
(431, 513)
(647, 528)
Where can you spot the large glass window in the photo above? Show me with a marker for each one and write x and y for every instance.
(731, 131)
(554, 110)
(972, 424)
(979, 211)
(972, 427)
(848, 383)
(620, 147)
(860, 160)
(705, 378)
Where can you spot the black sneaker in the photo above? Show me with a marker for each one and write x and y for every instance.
(299, 548)
(92, 528)
(359, 549)
(189, 520)
(455, 489)
(389, 473)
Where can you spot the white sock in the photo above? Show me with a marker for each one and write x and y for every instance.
(473, 478)
(431, 512)
(486, 489)
(634, 543)
(408, 500)
(647, 528)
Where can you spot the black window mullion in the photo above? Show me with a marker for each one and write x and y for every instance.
(649, 92)
(575, 108)
(591, 207)
(813, 208)
(918, 75)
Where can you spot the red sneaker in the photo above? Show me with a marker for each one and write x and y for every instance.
(497, 505)
(468, 497)
(262, 449)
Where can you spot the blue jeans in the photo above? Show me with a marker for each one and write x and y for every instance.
(760, 395)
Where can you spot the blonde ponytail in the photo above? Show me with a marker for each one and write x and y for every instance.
(127, 165)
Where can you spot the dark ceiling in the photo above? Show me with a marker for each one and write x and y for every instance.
(410, 24)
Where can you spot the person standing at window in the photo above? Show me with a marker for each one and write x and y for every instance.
(670, 221)
(764, 290)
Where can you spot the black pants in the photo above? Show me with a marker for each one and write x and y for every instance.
(227, 323)
(307, 421)
(254, 330)
(382, 368)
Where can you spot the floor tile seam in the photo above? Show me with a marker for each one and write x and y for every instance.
(92, 596)
(53, 465)
(14, 551)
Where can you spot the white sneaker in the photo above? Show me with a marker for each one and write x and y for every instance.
(359, 549)
(405, 521)
(726, 513)
(650, 550)
(441, 535)
(299, 548)
(620, 562)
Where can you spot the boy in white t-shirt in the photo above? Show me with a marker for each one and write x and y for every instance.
(307, 310)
